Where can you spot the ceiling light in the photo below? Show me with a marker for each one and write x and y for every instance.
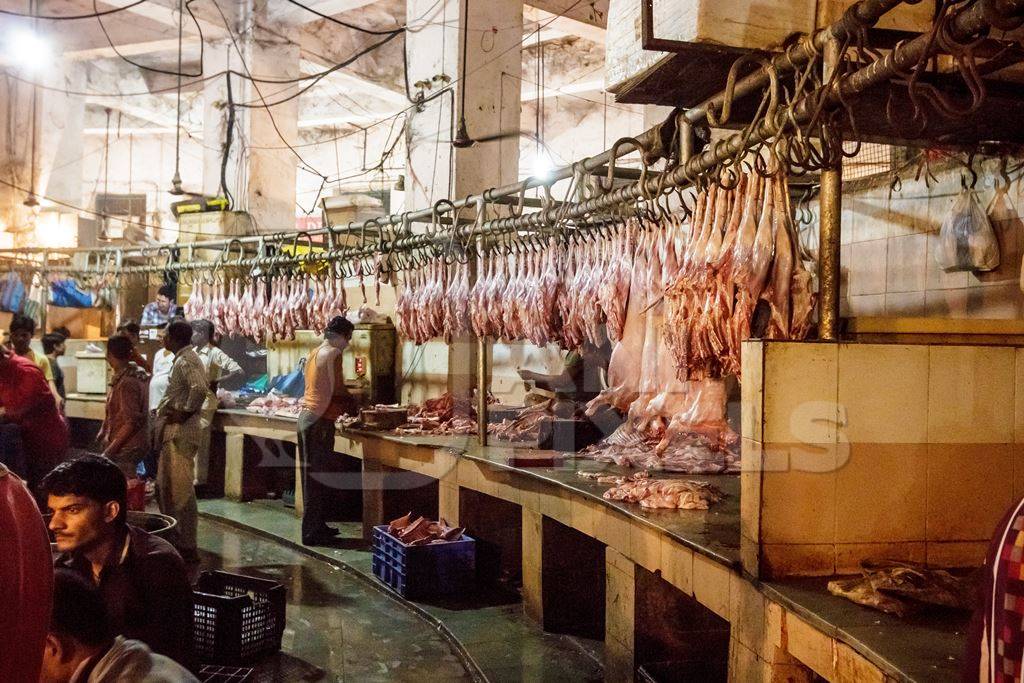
(28, 49)
(542, 166)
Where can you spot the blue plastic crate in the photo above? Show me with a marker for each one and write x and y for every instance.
(423, 570)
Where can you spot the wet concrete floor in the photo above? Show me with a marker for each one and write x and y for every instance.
(338, 628)
(492, 628)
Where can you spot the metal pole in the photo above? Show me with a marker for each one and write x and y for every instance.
(829, 225)
(481, 390)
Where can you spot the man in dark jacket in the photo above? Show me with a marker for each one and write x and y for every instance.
(141, 578)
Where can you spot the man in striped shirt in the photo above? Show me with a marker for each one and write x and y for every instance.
(179, 434)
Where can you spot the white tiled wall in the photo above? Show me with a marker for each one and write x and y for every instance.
(889, 241)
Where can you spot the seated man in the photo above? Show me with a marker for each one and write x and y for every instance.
(141, 578)
(123, 433)
(81, 647)
(160, 312)
(26, 401)
(578, 383)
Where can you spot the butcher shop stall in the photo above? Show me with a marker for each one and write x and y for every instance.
(709, 369)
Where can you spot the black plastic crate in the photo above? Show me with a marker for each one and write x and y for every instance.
(215, 673)
(236, 619)
(423, 570)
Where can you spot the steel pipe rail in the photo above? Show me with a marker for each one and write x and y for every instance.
(864, 13)
(965, 25)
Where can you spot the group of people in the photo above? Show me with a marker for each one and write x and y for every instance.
(158, 412)
(161, 414)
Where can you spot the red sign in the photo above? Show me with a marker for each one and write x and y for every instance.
(360, 365)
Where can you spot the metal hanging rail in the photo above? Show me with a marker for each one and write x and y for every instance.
(965, 25)
(859, 16)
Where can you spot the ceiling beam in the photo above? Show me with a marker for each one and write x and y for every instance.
(562, 25)
(162, 119)
(166, 13)
(344, 119)
(530, 91)
(592, 13)
(343, 81)
(144, 47)
(295, 15)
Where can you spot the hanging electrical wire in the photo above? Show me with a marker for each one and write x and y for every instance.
(155, 69)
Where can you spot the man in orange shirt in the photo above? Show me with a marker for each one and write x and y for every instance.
(325, 400)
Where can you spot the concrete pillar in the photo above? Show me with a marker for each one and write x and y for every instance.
(533, 582)
(262, 177)
(220, 56)
(58, 135)
(234, 467)
(62, 117)
(435, 168)
(620, 606)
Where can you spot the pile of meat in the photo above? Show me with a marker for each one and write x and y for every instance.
(423, 531)
(446, 414)
(275, 404)
(526, 425)
(902, 588)
(668, 494)
(243, 307)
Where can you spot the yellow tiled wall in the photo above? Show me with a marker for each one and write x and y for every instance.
(858, 451)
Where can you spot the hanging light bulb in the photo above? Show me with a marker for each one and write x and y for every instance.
(176, 188)
(542, 165)
(462, 139)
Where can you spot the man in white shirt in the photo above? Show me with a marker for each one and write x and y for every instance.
(220, 367)
(163, 360)
(82, 648)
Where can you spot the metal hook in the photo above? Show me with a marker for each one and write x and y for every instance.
(613, 160)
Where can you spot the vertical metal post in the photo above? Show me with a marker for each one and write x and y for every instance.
(830, 223)
(481, 389)
(44, 275)
(482, 383)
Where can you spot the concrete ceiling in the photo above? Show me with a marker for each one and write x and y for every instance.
(148, 33)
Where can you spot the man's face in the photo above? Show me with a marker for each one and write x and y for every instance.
(59, 661)
(58, 350)
(20, 340)
(199, 338)
(163, 303)
(78, 523)
(339, 341)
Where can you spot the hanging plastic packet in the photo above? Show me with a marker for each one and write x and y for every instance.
(966, 238)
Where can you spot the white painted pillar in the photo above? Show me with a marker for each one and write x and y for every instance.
(435, 169)
(492, 101)
(261, 170)
(220, 56)
(61, 142)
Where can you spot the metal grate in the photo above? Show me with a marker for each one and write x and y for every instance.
(872, 160)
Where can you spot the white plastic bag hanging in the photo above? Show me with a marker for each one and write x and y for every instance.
(966, 238)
